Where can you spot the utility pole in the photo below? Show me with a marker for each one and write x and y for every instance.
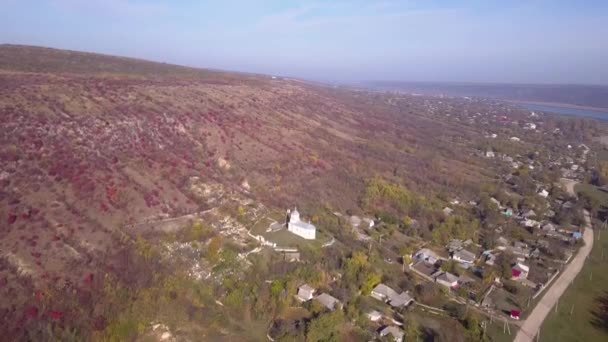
(572, 310)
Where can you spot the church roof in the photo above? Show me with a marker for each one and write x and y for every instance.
(303, 225)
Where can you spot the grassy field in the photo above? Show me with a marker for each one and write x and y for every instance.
(574, 316)
(283, 238)
(602, 154)
(496, 331)
(594, 192)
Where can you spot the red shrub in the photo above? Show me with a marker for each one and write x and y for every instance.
(54, 314)
(88, 279)
(31, 312)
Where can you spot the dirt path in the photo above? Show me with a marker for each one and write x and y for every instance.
(530, 327)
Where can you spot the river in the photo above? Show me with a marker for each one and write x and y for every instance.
(566, 110)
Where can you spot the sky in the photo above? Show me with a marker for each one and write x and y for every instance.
(510, 41)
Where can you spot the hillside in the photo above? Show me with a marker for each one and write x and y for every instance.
(94, 148)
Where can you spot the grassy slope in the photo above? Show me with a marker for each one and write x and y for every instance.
(582, 295)
(48, 60)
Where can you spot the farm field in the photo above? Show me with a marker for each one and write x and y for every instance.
(580, 315)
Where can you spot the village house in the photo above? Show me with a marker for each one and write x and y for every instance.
(543, 193)
(520, 271)
(549, 227)
(401, 300)
(383, 293)
(535, 253)
(298, 227)
(502, 241)
(374, 316)
(328, 301)
(305, 293)
(464, 256)
(447, 279)
(396, 333)
(390, 296)
(427, 255)
(489, 154)
(529, 213)
(454, 245)
(529, 223)
(447, 211)
(520, 252)
(490, 258)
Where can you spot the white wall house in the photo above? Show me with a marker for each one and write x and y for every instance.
(305, 293)
(543, 193)
(300, 228)
(464, 256)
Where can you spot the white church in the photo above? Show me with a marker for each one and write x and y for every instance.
(300, 228)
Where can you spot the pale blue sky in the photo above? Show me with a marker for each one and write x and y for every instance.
(529, 41)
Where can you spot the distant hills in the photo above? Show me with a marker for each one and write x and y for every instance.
(593, 96)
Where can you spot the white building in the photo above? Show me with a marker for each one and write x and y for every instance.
(464, 256)
(305, 293)
(374, 316)
(447, 279)
(427, 255)
(396, 333)
(300, 228)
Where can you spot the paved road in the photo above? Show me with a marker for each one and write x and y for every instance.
(532, 324)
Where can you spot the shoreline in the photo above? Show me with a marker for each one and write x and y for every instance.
(562, 105)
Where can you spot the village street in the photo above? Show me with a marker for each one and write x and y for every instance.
(532, 324)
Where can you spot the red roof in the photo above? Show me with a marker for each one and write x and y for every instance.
(515, 313)
(515, 272)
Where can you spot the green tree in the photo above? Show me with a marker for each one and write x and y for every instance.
(325, 327)
(371, 280)
(471, 323)
(412, 331)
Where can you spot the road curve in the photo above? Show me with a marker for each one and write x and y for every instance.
(532, 324)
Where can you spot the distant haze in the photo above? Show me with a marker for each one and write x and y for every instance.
(518, 41)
